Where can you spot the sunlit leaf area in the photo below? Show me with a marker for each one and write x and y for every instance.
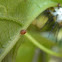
(30, 30)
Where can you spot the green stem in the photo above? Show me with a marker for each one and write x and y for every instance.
(41, 46)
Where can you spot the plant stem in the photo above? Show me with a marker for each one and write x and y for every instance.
(41, 46)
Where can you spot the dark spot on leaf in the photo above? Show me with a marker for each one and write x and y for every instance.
(22, 32)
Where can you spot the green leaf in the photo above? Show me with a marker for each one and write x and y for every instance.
(26, 51)
(16, 15)
(59, 1)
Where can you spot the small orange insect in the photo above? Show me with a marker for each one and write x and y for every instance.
(22, 32)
